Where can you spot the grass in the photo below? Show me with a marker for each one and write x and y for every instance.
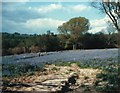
(62, 63)
(20, 69)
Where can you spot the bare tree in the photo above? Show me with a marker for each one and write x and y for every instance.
(112, 9)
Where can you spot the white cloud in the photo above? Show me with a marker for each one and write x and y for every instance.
(97, 29)
(48, 8)
(79, 8)
(39, 26)
(48, 0)
(43, 24)
(52, 7)
(99, 24)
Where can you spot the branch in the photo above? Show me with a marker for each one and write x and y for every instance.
(109, 13)
(115, 20)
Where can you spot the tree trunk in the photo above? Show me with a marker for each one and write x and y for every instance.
(118, 57)
(74, 46)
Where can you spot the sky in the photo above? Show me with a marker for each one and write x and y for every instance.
(27, 17)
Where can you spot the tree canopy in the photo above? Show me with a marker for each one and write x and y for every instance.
(74, 28)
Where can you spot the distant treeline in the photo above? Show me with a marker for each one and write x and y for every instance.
(23, 43)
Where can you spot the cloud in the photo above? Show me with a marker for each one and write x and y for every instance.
(21, 15)
(22, 12)
(15, 0)
(29, 18)
(97, 29)
(32, 26)
(52, 7)
(18, 12)
(80, 8)
(43, 24)
(26, 19)
(12, 26)
(48, 8)
(46, 0)
(100, 22)
(99, 25)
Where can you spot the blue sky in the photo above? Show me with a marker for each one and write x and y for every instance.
(39, 17)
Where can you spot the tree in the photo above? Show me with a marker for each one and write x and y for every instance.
(64, 41)
(112, 9)
(75, 27)
(94, 41)
(110, 28)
